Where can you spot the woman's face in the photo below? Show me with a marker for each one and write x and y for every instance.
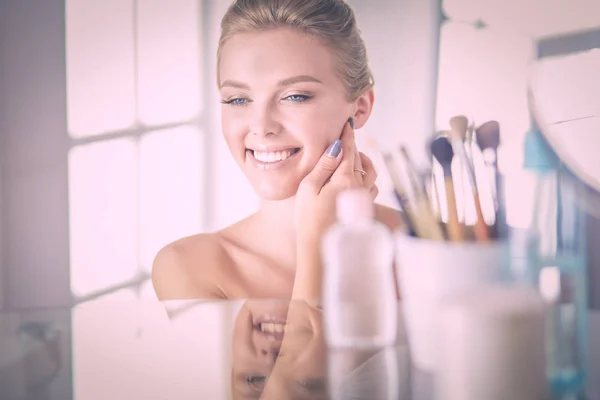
(283, 105)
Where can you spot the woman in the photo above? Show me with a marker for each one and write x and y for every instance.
(294, 83)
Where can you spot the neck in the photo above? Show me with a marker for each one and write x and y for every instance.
(278, 217)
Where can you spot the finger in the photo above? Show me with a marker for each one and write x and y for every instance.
(325, 167)
(374, 192)
(349, 149)
(371, 173)
(358, 168)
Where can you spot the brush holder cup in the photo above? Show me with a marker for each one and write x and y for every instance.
(427, 271)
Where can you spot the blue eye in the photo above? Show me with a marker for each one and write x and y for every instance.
(298, 98)
(238, 101)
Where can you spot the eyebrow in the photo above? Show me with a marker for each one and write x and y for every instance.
(282, 83)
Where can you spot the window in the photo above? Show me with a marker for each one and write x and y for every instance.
(134, 84)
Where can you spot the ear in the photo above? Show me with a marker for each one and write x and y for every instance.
(362, 108)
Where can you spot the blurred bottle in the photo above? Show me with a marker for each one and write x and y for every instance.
(368, 374)
(558, 264)
(359, 291)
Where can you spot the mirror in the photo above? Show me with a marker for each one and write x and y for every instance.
(565, 102)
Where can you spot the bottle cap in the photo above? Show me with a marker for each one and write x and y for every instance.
(354, 204)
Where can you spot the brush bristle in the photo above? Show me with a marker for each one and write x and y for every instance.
(459, 125)
(488, 135)
(442, 151)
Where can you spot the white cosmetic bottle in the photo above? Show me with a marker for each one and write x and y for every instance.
(359, 291)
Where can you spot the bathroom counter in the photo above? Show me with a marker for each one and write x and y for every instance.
(121, 347)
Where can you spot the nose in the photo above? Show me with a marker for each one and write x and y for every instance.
(272, 353)
(268, 352)
(266, 121)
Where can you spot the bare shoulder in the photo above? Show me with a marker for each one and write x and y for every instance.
(191, 268)
(391, 217)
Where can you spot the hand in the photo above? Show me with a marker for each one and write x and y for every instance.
(316, 196)
(338, 169)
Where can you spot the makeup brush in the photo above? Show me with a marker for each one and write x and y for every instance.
(420, 218)
(397, 189)
(419, 183)
(413, 175)
(458, 132)
(469, 140)
(443, 153)
(433, 179)
(434, 193)
(487, 137)
(400, 195)
(470, 131)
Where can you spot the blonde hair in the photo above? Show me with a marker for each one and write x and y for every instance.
(330, 21)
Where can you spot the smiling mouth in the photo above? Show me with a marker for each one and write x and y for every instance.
(272, 327)
(272, 157)
(272, 330)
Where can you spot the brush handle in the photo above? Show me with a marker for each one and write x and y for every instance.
(459, 149)
(435, 194)
(481, 230)
(419, 218)
(413, 175)
(454, 228)
(407, 214)
(418, 211)
(500, 225)
(499, 229)
(427, 220)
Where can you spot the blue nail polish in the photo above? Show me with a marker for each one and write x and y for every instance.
(334, 150)
(351, 122)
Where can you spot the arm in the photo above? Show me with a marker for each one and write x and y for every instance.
(390, 217)
(309, 272)
(341, 167)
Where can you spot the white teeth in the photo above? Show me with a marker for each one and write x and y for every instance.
(271, 327)
(270, 157)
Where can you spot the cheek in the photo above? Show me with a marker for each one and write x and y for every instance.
(316, 134)
(232, 132)
(320, 129)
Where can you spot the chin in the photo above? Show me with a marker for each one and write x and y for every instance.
(271, 192)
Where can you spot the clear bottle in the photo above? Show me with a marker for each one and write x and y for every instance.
(373, 374)
(359, 290)
(558, 257)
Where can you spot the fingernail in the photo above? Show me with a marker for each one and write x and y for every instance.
(351, 122)
(334, 149)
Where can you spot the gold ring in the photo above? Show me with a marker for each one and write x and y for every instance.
(362, 172)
